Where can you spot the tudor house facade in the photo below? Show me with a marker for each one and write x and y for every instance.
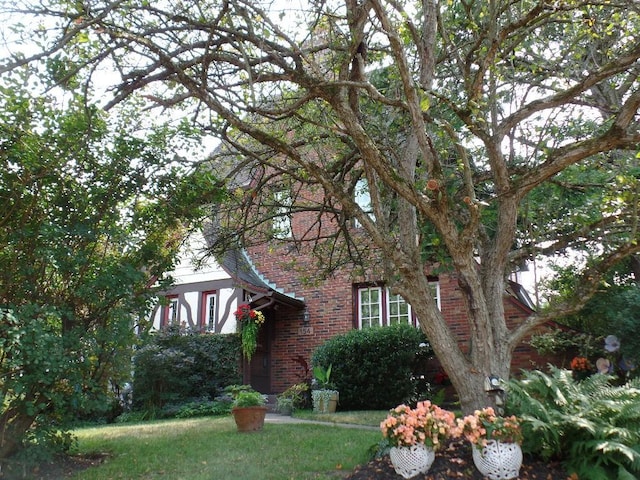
(301, 315)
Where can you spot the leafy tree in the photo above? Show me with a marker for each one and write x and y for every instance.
(92, 215)
(612, 310)
(487, 132)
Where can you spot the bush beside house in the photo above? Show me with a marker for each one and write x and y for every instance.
(179, 368)
(375, 368)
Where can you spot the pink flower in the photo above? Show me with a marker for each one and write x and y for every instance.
(485, 425)
(426, 423)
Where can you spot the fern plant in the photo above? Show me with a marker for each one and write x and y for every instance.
(592, 425)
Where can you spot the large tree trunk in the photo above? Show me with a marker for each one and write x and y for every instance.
(487, 351)
(14, 425)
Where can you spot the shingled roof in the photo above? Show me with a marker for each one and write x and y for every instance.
(239, 266)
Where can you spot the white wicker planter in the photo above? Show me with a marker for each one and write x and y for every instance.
(413, 460)
(324, 401)
(498, 461)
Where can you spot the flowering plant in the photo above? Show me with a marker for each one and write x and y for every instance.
(249, 322)
(441, 378)
(427, 423)
(580, 364)
(485, 425)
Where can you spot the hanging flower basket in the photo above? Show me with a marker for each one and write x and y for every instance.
(248, 323)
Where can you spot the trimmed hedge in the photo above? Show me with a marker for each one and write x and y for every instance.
(179, 368)
(375, 368)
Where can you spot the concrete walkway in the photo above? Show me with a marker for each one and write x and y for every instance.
(277, 418)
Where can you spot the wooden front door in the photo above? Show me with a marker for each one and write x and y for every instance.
(260, 365)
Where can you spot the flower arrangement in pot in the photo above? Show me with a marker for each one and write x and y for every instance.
(291, 398)
(248, 408)
(324, 395)
(496, 443)
(249, 322)
(415, 434)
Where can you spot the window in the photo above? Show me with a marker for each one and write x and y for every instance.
(170, 313)
(399, 310)
(209, 308)
(362, 197)
(369, 307)
(371, 300)
(435, 288)
(281, 220)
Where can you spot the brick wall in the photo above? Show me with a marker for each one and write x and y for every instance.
(331, 311)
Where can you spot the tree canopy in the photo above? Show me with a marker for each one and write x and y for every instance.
(92, 217)
(488, 132)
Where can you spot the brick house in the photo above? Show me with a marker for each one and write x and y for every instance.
(302, 312)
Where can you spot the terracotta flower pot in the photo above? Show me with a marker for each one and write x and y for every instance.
(249, 419)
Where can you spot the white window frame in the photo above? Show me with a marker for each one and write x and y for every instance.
(386, 298)
(435, 285)
(209, 312)
(369, 305)
(400, 303)
(281, 223)
(171, 313)
(362, 197)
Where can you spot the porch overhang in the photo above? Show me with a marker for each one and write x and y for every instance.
(263, 293)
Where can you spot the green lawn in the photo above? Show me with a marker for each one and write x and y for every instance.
(211, 448)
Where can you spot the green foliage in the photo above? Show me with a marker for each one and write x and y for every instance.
(374, 368)
(90, 220)
(613, 311)
(249, 398)
(298, 394)
(592, 425)
(556, 341)
(175, 368)
(517, 117)
(322, 377)
(201, 408)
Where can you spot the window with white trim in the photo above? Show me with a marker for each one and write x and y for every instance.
(170, 313)
(369, 307)
(362, 197)
(281, 224)
(377, 306)
(398, 310)
(209, 309)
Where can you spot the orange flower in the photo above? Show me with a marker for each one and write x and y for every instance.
(580, 364)
(427, 424)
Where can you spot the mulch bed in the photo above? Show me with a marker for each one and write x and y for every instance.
(64, 466)
(455, 462)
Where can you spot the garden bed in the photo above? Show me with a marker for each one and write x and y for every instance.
(455, 462)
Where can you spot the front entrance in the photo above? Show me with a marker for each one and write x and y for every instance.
(260, 365)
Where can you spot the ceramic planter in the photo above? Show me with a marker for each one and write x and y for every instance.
(413, 460)
(324, 401)
(498, 460)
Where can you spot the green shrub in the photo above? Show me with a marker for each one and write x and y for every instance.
(179, 368)
(374, 368)
(592, 425)
(203, 408)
